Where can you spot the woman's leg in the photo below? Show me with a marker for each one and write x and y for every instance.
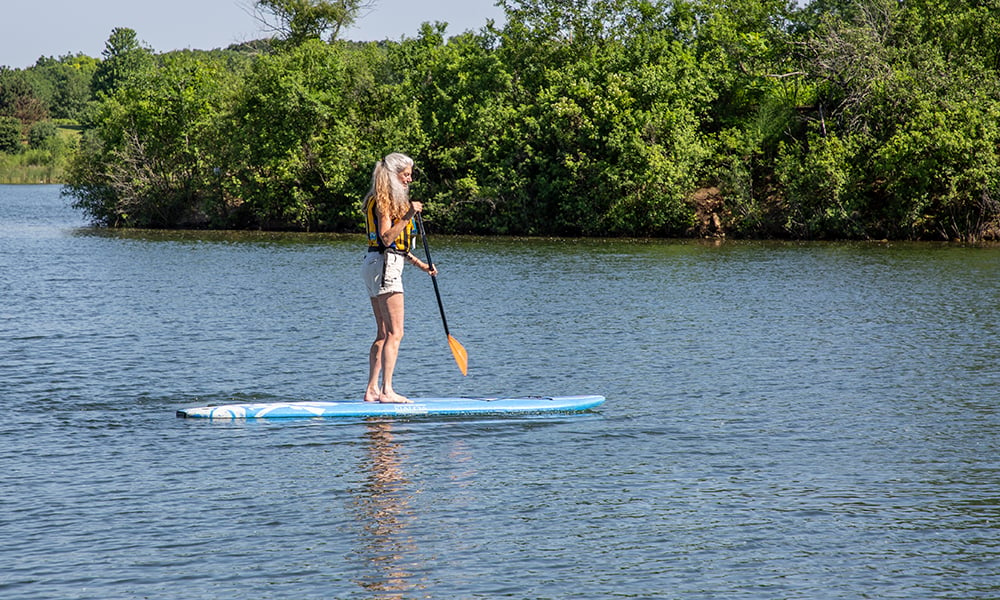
(373, 391)
(391, 308)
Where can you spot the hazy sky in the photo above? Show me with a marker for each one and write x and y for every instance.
(34, 28)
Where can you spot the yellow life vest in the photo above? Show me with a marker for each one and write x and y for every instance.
(403, 242)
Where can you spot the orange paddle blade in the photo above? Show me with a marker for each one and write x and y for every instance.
(461, 356)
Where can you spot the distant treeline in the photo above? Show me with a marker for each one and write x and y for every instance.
(858, 119)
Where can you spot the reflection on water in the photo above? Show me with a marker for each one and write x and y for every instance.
(385, 510)
(461, 460)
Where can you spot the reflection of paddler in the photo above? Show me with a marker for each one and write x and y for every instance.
(387, 481)
(461, 456)
(386, 513)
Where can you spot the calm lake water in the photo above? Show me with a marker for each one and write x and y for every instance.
(783, 420)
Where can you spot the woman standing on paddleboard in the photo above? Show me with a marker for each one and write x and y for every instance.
(389, 220)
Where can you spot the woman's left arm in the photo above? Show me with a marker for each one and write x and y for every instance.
(416, 262)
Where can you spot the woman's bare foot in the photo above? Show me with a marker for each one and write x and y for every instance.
(372, 395)
(394, 398)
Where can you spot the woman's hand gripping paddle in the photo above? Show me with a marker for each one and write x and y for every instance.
(461, 356)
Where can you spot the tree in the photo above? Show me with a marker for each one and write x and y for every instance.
(152, 160)
(10, 135)
(597, 128)
(905, 123)
(305, 129)
(42, 134)
(18, 98)
(126, 61)
(63, 84)
(299, 20)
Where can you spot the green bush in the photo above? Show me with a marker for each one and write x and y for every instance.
(43, 134)
(10, 135)
(590, 117)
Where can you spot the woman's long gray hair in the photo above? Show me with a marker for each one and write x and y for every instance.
(389, 194)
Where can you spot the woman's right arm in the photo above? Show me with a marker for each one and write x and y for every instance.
(389, 231)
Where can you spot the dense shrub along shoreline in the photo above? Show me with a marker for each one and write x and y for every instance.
(867, 119)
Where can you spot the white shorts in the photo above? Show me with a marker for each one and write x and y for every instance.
(383, 273)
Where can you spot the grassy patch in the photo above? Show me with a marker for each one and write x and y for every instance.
(42, 165)
(32, 166)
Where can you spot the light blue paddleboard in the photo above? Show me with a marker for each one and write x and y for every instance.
(419, 407)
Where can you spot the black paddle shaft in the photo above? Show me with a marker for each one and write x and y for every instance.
(430, 264)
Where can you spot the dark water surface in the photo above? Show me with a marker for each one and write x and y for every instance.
(783, 420)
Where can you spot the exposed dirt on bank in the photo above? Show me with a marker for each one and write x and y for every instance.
(711, 214)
